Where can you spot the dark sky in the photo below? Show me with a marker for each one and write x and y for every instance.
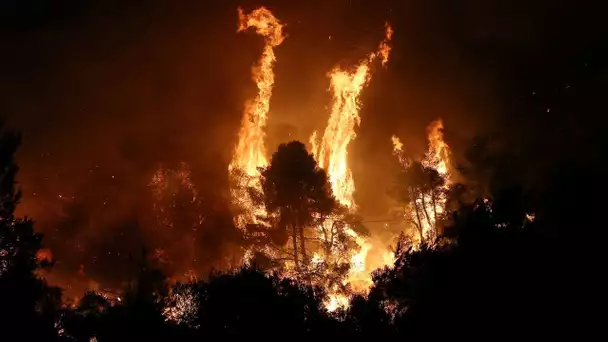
(103, 91)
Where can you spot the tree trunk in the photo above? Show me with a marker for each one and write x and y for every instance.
(433, 198)
(417, 215)
(329, 239)
(295, 245)
(428, 217)
(302, 242)
(426, 212)
(325, 239)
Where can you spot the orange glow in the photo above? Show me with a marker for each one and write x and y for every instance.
(437, 158)
(165, 183)
(44, 254)
(398, 151)
(428, 205)
(331, 152)
(250, 152)
(438, 155)
(384, 49)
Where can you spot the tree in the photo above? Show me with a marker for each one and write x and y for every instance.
(139, 314)
(25, 300)
(297, 191)
(249, 302)
(418, 191)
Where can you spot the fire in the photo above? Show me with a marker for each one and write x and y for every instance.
(165, 183)
(182, 305)
(250, 152)
(44, 255)
(398, 151)
(384, 49)
(397, 144)
(428, 205)
(331, 152)
(438, 155)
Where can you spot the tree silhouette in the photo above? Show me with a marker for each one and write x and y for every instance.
(139, 314)
(87, 319)
(417, 191)
(249, 303)
(297, 191)
(25, 300)
(494, 276)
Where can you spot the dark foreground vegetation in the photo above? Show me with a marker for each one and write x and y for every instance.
(502, 276)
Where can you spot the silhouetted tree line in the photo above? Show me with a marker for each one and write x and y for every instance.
(501, 275)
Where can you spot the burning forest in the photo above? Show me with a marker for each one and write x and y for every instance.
(274, 192)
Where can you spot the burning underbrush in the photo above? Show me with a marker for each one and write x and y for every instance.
(294, 215)
(321, 240)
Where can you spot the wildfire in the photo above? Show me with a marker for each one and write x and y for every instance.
(428, 200)
(44, 255)
(250, 153)
(331, 152)
(165, 183)
(384, 49)
(182, 305)
(438, 155)
(398, 151)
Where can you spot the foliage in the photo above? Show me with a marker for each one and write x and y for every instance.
(25, 300)
(297, 192)
(417, 192)
(498, 274)
(295, 187)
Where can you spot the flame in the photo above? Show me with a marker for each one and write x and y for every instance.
(530, 217)
(438, 158)
(336, 301)
(44, 254)
(331, 152)
(428, 207)
(250, 152)
(438, 155)
(397, 144)
(398, 151)
(384, 49)
(181, 306)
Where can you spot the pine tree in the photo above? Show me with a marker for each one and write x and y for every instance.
(24, 298)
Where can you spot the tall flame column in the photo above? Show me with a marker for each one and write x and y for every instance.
(250, 152)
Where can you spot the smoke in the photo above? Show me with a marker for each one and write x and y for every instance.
(105, 92)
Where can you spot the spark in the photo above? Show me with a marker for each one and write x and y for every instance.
(530, 217)
(182, 306)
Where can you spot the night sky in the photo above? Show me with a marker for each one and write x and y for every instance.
(104, 91)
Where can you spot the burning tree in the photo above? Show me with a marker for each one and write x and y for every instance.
(250, 151)
(422, 187)
(297, 193)
(419, 191)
